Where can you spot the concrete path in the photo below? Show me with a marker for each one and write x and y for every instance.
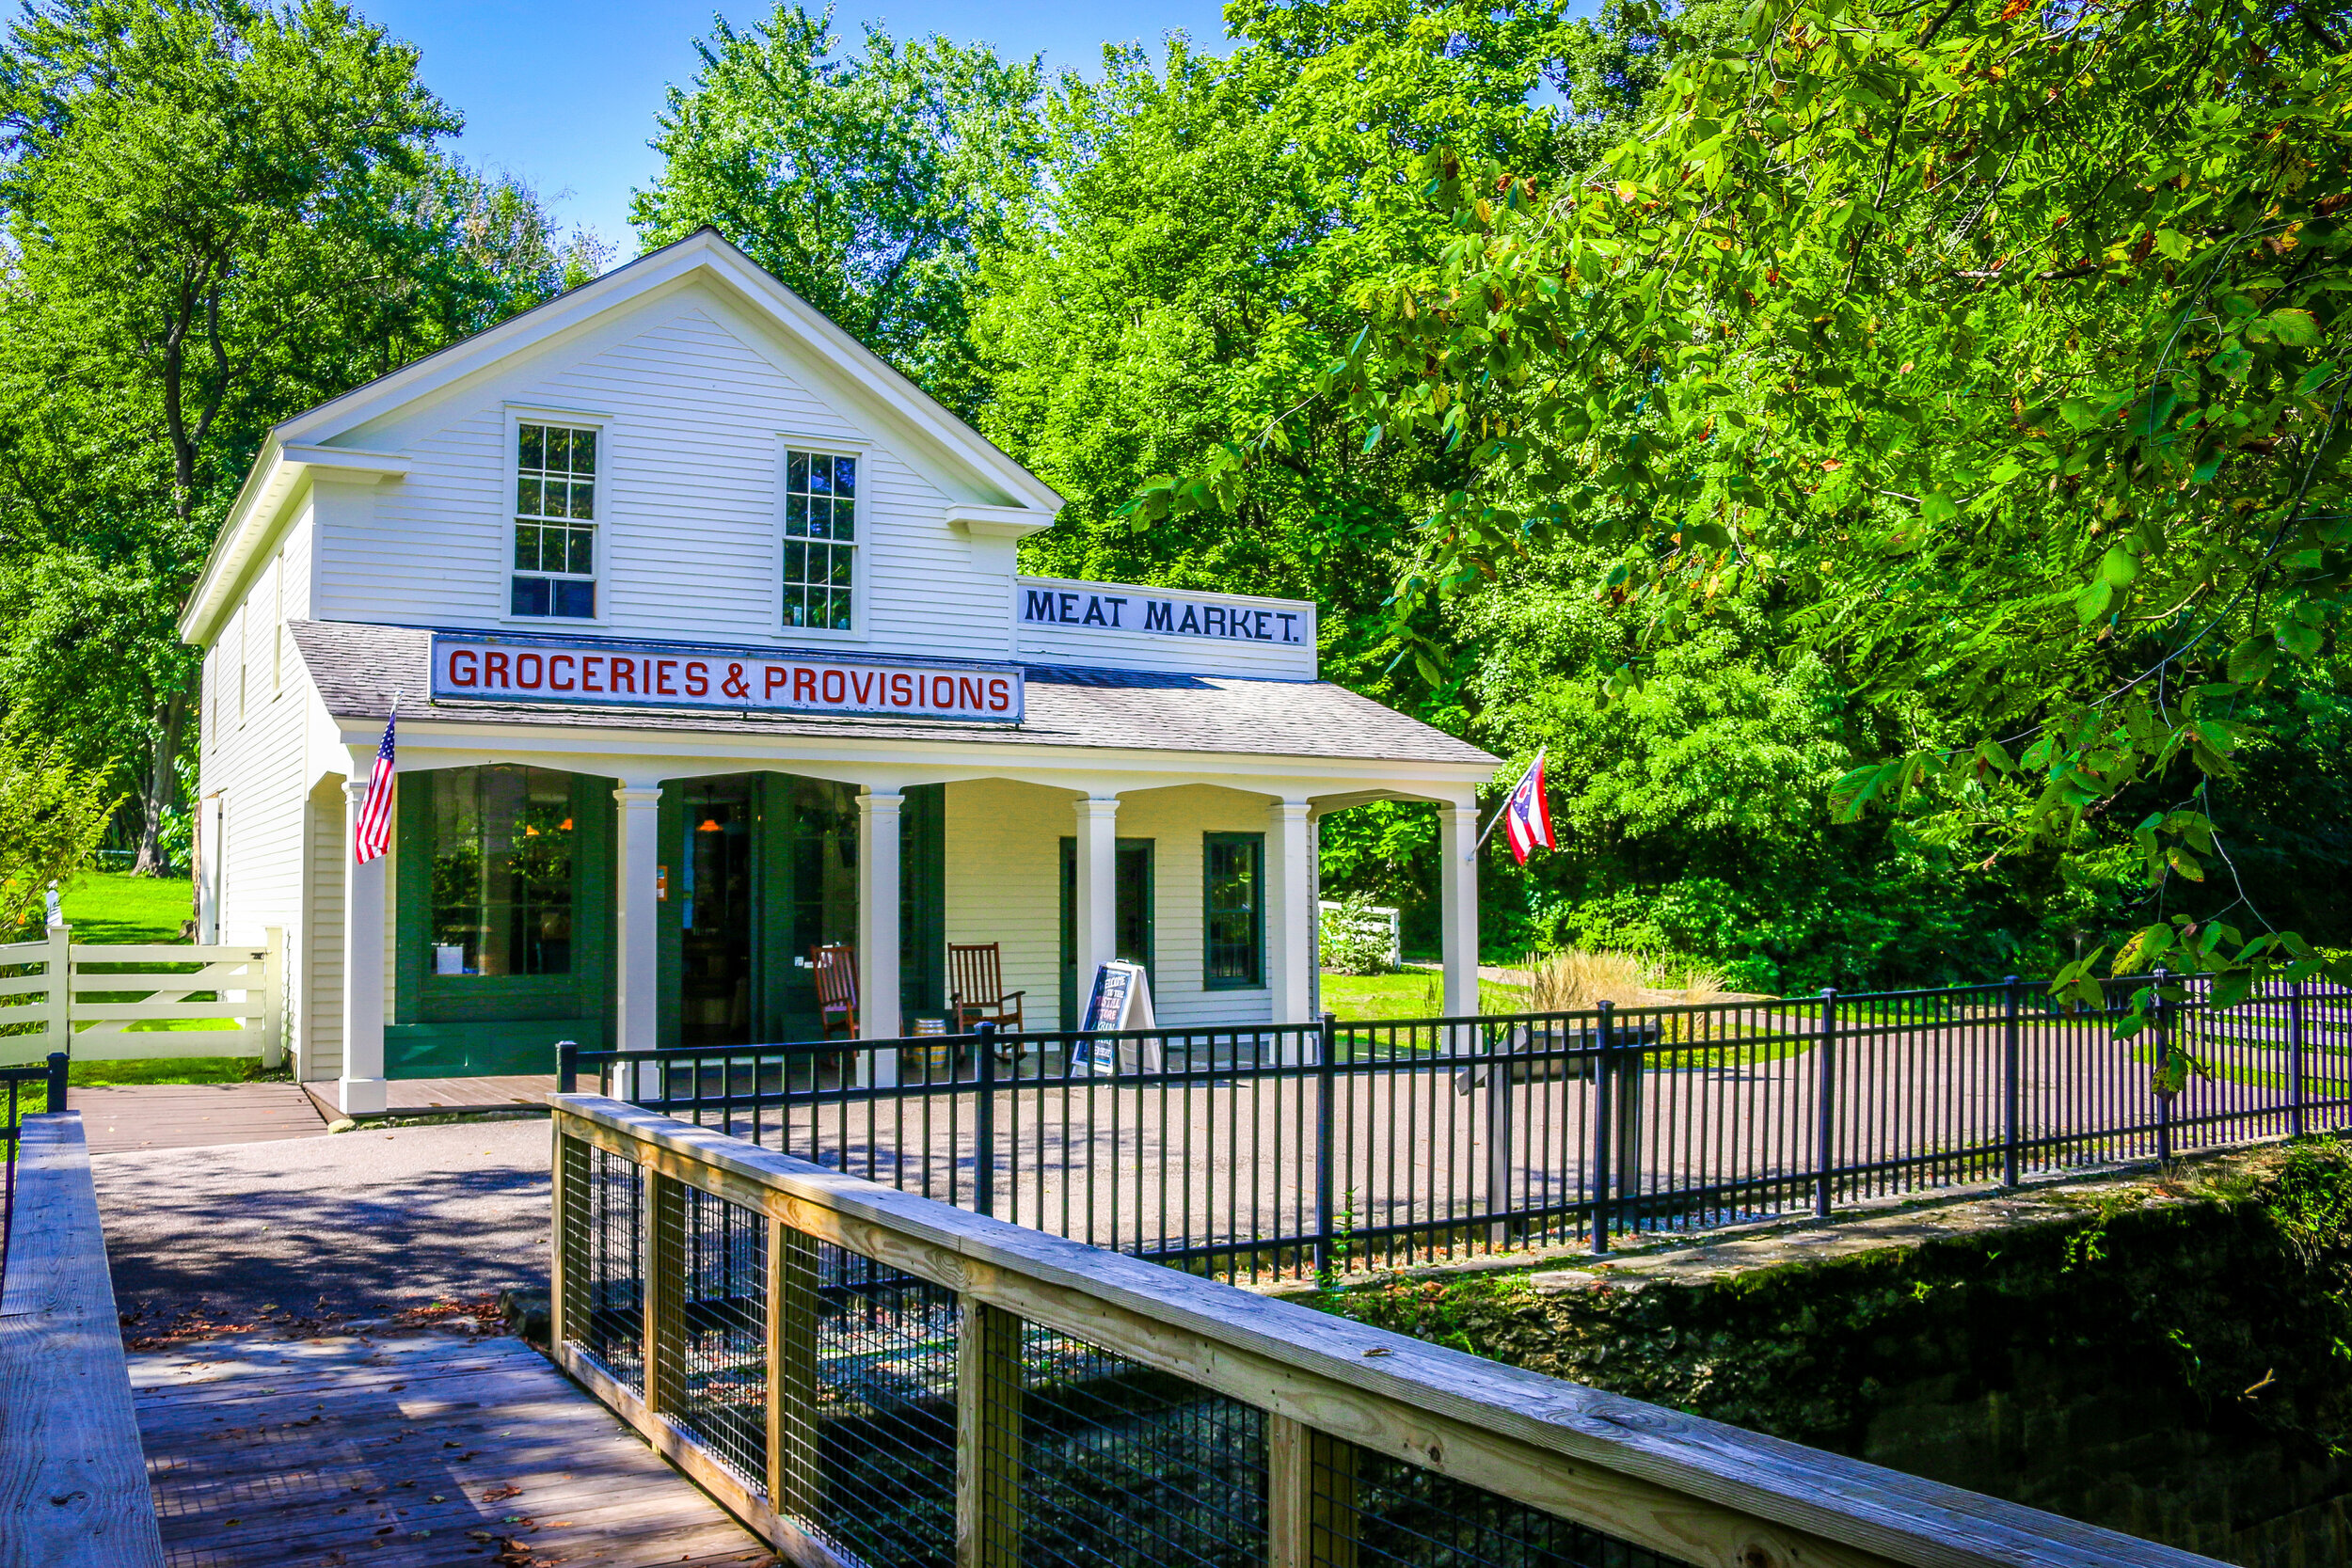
(361, 1224)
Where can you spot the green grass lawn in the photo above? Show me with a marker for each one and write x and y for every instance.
(1412, 994)
(106, 908)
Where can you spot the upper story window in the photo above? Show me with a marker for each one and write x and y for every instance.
(555, 521)
(819, 540)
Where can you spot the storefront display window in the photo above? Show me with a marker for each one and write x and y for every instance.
(502, 848)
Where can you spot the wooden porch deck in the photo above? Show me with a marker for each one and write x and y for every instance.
(412, 1452)
(127, 1117)
(425, 1097)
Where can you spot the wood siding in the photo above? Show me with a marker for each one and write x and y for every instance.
(1004, 849)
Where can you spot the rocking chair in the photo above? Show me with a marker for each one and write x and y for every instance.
(976, 988)
(837, 988)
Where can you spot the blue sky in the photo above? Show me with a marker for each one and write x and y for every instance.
(565, 95)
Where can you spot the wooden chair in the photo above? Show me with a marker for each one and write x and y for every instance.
(837, 988)
(976, 988)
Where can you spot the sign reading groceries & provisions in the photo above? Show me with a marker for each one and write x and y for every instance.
(654, 674)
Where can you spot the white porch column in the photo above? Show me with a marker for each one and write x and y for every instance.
(637, 919)
(1457, 899)
(361, 1089)
(878, 839)
(1290, 912)
(1098, 890)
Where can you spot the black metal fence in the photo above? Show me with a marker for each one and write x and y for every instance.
(1266, 1151)
(16, 1084)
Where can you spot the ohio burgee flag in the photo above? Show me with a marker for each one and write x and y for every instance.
(374, 837)
(1525, 816)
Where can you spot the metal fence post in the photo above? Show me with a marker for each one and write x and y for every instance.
(1604, 1116)
(2010, 1044)
(567, 1067)
(1326, 1091)
(2161, 1013)
(1825, 1108)
(1500, 1073)
(2295, 1060)
(984, 1121)
(57, 1063)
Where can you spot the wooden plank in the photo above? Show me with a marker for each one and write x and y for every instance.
(243, 1486)
(162, 952)
(988, 1438)
(1696, 1489)
(73, 1479)
(1311, 1498)
(793, 1309)
(166, 1011)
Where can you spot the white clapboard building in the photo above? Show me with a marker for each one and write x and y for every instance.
(709, 649)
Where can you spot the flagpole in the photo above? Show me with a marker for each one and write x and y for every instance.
(1496, 820)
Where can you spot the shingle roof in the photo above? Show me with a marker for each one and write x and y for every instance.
(357, 668)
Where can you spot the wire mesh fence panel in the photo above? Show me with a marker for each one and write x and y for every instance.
(1094, 1461)
(604, 1213)
(866, 1461)
(1367, 1511)
(715, 1346)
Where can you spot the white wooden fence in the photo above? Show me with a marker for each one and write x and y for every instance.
(151, 999)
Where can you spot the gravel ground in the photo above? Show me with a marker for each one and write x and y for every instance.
(356, 1224)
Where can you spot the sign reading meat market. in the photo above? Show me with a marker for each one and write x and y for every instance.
(654, 674)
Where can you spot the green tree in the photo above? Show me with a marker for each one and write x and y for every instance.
(218, 213)
(1995, 350)
(868, 185)
(51, 812)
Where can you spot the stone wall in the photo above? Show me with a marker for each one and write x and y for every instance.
(2172, 1357)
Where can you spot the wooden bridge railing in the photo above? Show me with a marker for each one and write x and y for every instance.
(73, 1475)
(873, 1377)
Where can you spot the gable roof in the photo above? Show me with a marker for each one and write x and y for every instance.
(309, 441)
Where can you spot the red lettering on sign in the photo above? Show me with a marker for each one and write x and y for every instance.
(660, 685)
(528, 669)
(777, 675)
(861, 686)
(942, 692)
(588, 663)
(554, 659)
(901, 690)
(465, 668)
(698, 678)
(804, 684)
(494, 669)
(970, 692)
(835, 688)
(999, 694)
(623, 675)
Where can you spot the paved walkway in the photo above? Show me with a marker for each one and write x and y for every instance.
(406, 1452)
(361, 1224)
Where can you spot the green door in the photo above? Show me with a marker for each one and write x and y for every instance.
(1131, 916)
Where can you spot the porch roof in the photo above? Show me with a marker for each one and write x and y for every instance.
(357, 666)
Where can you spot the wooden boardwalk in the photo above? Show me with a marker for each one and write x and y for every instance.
(413, 1453)
(192, 1115)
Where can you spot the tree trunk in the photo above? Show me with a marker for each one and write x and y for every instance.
(163, 778)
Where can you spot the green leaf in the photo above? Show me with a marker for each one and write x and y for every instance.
(1938, 509)
(2119, 566)
(2172, 244)
(2094, 600)
(2252, 659)
(2078, 413)
(2296, 327)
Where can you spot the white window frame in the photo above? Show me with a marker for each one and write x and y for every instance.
(861, 556)
(518, 416)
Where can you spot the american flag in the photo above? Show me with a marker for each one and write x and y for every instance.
(375, 813)
(1525, 816)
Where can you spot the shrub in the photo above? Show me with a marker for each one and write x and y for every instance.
(1357, 938)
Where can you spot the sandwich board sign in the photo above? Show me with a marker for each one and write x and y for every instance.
(1121, 1000)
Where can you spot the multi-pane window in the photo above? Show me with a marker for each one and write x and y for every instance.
(501, 871)
(819, 539)
(1235, 900)
(555, 521)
